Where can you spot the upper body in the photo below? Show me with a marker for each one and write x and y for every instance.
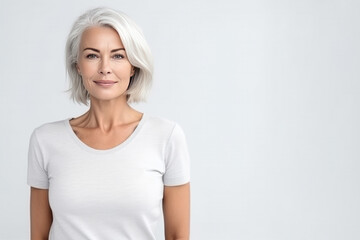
(103, 194)
(110, 173)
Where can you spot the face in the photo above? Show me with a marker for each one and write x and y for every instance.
(103, 64)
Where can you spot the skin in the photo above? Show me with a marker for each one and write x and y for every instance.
(106, 73)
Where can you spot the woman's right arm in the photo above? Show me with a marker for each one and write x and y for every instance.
(40, 214)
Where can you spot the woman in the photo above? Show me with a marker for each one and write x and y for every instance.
(112, 173)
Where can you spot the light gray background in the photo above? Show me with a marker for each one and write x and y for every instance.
(266, 91)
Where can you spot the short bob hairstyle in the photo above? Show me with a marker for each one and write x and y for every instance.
(137, 50)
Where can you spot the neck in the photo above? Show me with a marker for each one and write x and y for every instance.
(108, 114)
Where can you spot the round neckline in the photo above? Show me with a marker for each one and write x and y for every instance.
(101, 151)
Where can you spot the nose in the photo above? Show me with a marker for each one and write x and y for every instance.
(104, 67)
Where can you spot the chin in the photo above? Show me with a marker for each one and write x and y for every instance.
(108, 98)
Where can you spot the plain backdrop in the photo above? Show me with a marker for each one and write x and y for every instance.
(267, 92)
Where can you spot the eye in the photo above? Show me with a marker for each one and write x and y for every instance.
(118, 56)
(91, 56)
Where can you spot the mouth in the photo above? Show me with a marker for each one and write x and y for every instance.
(105, 83)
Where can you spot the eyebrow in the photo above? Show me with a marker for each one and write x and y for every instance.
(96, 50)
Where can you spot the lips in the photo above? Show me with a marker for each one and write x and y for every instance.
(105, 83)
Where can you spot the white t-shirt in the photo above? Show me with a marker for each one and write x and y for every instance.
(107, 194)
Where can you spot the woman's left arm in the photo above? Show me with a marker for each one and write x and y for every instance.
(176, 207)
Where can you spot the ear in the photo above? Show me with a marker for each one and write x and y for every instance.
(132, 71)
(78, 69)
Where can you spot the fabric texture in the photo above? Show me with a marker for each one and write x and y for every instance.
(108, 194)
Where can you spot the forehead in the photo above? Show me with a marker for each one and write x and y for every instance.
(100, 36)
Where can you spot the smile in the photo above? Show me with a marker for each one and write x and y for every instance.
(105, 83)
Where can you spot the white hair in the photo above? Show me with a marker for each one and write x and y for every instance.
(137, 50)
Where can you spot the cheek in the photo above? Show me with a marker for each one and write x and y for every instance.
(124, 70)
(87, 69)
(86, 73)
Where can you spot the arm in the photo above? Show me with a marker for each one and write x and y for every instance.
(40, 214)
(176, 207)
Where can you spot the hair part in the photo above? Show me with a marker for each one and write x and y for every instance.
(137, 50)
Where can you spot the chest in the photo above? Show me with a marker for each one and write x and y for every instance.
(128, 182)
(97, 139)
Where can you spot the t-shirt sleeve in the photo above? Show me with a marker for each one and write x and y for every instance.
(177, 161)
(37, 175)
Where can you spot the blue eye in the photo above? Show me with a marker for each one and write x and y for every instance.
(91, 56)
(118, 56)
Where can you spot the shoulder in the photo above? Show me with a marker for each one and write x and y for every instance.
(162, 127)
(160, 124)
(51, 129)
